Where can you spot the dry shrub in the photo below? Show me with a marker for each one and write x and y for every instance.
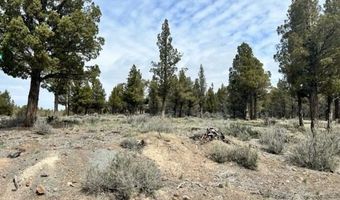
(274, 139)
(240, 131)
(318, 151)
(127, 174)
(41, 127)
(132, 144)
(244, 156)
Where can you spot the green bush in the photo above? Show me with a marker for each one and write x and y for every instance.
(244, 156)
(318, 151)
(126, 175)
(6, 104)
(274, 140)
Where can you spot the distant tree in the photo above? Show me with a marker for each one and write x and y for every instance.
(279, 103)
(165, 69)
(247, 82)
(297, 56)
(134, 90)
(116, 102)
(184, 91)
(211, 100)
(222, 100)
(6, 104)
(201, 87)
(98, 96)
(36, 36)
(153, 98)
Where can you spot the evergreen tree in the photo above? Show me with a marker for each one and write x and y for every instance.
(165, 69)
(327, 37)
(6, 104)
(222, 99)
(116, 102)
(247, 83)
(37, 36)
(184, 88)
(134, 90)
(153, 98)
(201, 87)
(297, 54)
(211, 100)
(98, 96)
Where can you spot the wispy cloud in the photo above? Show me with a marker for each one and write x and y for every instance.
(206, 32)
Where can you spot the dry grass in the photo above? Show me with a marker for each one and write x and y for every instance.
(274, 139)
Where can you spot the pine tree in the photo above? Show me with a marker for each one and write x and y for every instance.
(98, 96)
(247, 82)
(297, 54)
(165, 69)
(211, 100)
(116, 99)
(6, 104)
(134, 90)
(153, 98)
(222, 99)
(202, 87)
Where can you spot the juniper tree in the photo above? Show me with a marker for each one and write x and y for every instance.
(116, 100)
(165, 69)
(134, 90)
(37, 35)
(297, 54)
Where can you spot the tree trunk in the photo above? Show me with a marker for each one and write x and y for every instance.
(251, 108)
(180, 109)
(313, 107)
(336, 109)
(255, 107)
(33, 98)
(56, 103)
(163, 106)
(329, 112)
(201, 111)
(300, 112)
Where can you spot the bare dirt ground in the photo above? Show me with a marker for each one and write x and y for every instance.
(58, 162)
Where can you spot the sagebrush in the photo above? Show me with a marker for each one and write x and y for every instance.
(126, 175)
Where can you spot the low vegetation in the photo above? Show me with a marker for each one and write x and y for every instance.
(318, 151)
(244, 156)
(41, 127)
(132, 144)
(241, 131)
(126, 175)
(274, 139)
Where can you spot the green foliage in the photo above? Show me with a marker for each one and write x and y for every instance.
(200, 88)
(153, 98)
(247, 83)
(43, 40)
(165, 69)
(6, 104)
(116, 99)
(134, 91)
(211, 100)
(126, 175)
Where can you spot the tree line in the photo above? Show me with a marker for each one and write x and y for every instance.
(53, 53)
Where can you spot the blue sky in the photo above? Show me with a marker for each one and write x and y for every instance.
(206, 32)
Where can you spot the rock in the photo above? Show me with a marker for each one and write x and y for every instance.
(176, 195)
(185, 197)
(40, 190)
(70, 184)
(44, 175)
(14, 154)
(220, 185)
(28, 183)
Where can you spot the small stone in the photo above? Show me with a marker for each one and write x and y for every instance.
(28, 183)
(176, 195)
(40, 190)
(3, 176)
(185, 197)
(44, 175)
(70, 184)
(293, 169)
(14, 154)
(220, 185)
